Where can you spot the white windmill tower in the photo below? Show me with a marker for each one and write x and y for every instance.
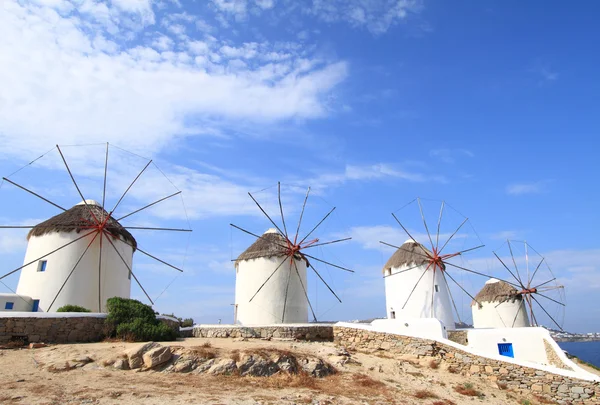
(271, 280)
(284, 300)
(414, 288)
(83, 255)
(416, 277)
(499, 305)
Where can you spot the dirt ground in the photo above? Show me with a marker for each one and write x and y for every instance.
(365, 379)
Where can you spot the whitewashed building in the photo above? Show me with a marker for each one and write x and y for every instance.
(68, 276)
(498, 305)
(415, 289)
(281, 280)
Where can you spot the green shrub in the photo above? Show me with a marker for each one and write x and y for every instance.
(72, 308)
(187, 322)
(132, 320)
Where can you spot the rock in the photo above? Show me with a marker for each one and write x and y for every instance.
(184, 366)
(225, 366)
(205, 366)
(82, 361)
(317, 367)
(157, 356)
(37, 345)
(257, 366)
(121, 364)
(287, 363)
(134, 355)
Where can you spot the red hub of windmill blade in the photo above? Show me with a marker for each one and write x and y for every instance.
(528, 291)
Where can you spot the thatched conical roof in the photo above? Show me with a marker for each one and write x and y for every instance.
(411, 253)
(79, 219)
(497, 291)
(270, 244)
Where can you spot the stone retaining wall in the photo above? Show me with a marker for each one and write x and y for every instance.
(527, 380)
(52, 330)
(59, 329)
(300, 332)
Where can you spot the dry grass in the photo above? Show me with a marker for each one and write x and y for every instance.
(467, 390)
(453, 370)
(68, 367)
(363, 380)
(206, 345)
(235, 355)
(502, 385)
(425, 394)
(203, 352)
(543, 400)
(434, 364)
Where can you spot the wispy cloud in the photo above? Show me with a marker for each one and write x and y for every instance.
(451, 155)
(527, 188)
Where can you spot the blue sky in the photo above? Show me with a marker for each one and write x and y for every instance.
(488, 105)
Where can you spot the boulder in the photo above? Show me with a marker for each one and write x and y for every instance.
(205, 366)
(317, 367)
(135, 355)
(121, 364)
(257, 366)
(287, 363)
(225, 366)
(157, 356)
(184, 366)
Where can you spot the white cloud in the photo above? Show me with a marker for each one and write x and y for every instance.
(377, 16)
(235, 8)
(526, 188)
(265, 4)
(64, 77)
(451, 155)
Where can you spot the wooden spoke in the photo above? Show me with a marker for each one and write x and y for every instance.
(33, 193)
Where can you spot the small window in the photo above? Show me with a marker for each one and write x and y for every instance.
(393, 315)
(42, 265)
(128, 275)
(9, 305)
(36, 306)
(506, 349)
(389, 272)
(437, 288)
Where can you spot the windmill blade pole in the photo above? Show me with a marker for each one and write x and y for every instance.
(267, 215)
(451, 297)
(149, 205)
(72, 270)
(287, 287)
(268, 278)
(404, 250)
(281, 209)
(461, 287)
(513, 259)
(34, 193)
(105, 173)
(131, 185)
(301, 215)
(324, 282)
(305, 292)
(466, 250)
(511, 273)
(100, 274)
(47, 254)
(415, 287)
(327, 243)
(151, 256)
(331, 264)
(437, 235)
(76, 186)
(551, 299)
(257, 236)
(452, 236)
(537, 268)
(145, 228)
(402, 226)
(480, 274)
(316, 226)
(425, 223)
(129, 269)
(549, 281)
(544, 309)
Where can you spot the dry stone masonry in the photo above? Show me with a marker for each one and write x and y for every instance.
(564, 390)
(299, 332)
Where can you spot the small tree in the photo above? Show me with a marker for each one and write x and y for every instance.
(187, 322)
(130, 319)
(72, 308)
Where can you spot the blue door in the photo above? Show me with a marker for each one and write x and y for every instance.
(506, 349)
(36, 305)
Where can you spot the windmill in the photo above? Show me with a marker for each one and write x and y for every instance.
(83, 255)
(537, 291)
(416, 275)
(271, 280)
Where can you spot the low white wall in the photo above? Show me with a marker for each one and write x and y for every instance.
(429, 328)
(20, 303)
(527, 343)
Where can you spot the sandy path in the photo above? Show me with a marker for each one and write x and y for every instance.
(366, 380)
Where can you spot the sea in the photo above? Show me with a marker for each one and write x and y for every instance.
(587, 351)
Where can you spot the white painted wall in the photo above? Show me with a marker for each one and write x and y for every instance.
(528, 343)
(82, 287)
(398, 288)
(20, 303)
(267, 307)
(428, 328)
(504, 315)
